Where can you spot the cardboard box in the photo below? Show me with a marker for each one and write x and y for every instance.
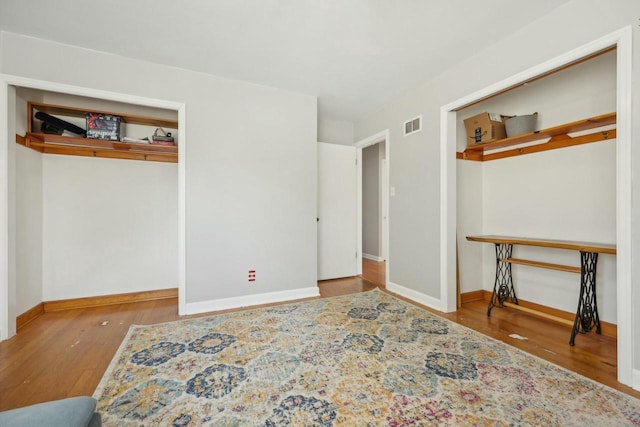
(104, 126)
(483, 128)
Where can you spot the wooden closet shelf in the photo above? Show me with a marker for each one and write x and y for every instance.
(557, 137)
(44, 138)
(77, 146)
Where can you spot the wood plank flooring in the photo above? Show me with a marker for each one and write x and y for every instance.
(594, 356)
(63, 354)
(374, 271)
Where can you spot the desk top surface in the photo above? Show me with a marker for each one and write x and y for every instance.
(605, 248)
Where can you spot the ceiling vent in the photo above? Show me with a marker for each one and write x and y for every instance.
(412, 126)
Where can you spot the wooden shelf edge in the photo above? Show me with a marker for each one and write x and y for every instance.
(475, 156)
(27, 143)
(553, 144)
(603, 248)
(44, 138)
(99, 151)
(557, 138)
(110, 154)
(547, 265)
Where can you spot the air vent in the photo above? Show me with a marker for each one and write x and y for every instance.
(412, 126)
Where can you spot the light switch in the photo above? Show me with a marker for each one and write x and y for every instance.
(392, 191)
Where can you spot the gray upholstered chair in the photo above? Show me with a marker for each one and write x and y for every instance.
(71, 412)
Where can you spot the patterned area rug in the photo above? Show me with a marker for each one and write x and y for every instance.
(358, 360)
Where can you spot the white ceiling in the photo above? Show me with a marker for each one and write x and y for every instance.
(355, 55)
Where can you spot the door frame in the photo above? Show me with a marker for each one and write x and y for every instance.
(384, 201)
(7, 83)
(622, 41)
(360, 145)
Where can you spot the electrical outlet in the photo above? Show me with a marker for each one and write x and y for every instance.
(252, 275)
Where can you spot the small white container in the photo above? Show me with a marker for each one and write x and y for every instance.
(521, 124)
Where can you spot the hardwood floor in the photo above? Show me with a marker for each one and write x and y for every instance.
(349, 285)
(63, 354)
(374, 271)
(594, 356)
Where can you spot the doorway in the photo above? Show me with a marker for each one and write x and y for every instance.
(373, 207)
(373, 218)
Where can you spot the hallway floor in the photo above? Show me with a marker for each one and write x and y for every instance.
(374, 271)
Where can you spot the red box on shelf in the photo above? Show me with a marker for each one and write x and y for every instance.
(104, 126)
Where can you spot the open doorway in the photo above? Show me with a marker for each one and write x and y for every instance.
(373, 208)
(373, 217)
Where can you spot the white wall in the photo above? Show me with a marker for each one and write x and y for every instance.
(123, 212)
(110, 226)
(414, 173)
(28, 206)
(250, 165)
(415, 168)
(335, 131)
(567, 194)
(28, 229)
(370, 200)
(9, 232)
(470, 215)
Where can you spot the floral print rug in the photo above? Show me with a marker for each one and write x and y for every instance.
(366, 359)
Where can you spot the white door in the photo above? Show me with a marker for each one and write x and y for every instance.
(337, 193)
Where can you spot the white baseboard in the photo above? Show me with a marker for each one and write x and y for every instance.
(373, 257)
(250, 300)
(416, 296)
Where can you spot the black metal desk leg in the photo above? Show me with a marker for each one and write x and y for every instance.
(503, 285)
(587, 312)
